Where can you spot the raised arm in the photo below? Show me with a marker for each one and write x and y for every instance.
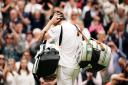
(55, 19)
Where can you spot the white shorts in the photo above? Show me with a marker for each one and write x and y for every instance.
(66, 76)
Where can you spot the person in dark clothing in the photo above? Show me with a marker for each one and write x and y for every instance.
(87, 19)
(120, 39)
(37, 20)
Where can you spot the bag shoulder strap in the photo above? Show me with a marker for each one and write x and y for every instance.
(81, 33)
(98, 42)
(61, 36)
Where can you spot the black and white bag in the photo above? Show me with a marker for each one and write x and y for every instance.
(46, 60)
(95, 55)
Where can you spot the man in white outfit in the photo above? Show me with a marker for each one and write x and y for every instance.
(68, 68)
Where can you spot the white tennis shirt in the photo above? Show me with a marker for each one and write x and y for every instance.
(69, 46)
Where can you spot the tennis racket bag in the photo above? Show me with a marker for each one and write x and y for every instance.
(96, 56)
(46, 61)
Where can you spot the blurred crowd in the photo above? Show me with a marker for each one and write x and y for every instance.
(21, 22)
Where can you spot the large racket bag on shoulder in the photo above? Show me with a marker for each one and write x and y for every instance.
(46, 60)
(95, 56)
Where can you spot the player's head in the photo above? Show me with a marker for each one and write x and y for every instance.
(60, 16)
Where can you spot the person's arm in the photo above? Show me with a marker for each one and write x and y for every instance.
(4, 9)
(119, 77)
(25, 20)
(44, 33)
(113, 25)
(12, 28)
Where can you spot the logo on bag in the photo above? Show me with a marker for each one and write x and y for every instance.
(88, 66)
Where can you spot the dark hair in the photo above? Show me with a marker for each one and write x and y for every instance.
(58, 12)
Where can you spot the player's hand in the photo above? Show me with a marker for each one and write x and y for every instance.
(56, 18)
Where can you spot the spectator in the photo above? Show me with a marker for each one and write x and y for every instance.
(119, 38)
(35, 44)
(19, 38)
(13, 20)
(120, 16)
(125, 5)
(24, 77)
(2, 67)
(14, 17)
(32, 6)
(26, 55)
(75, 17)
(96, 26)
(120, 79)
(29, 40)
(116, 54)
(101, 37)
(87, 8)
(24, 17)
(126, 38)
(90, 79)
(8, 50)
(8, 6)
(122, 63)
(2, 63)
(10, 72)
(1, 36)
(1, 6)
(47, 8)
(1, 44)
(37, 20)
(69, 6)
(108, 9)
(86, 14)
(79, 4)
